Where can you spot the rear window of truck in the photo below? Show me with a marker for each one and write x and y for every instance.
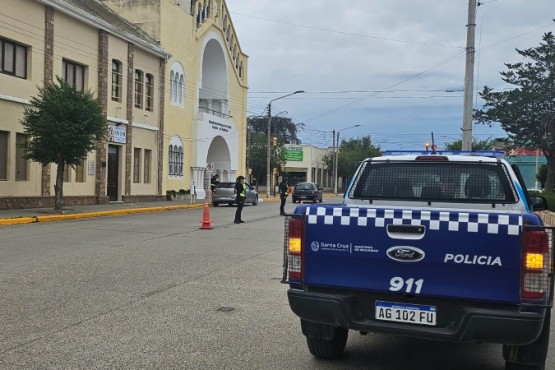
(443, 181)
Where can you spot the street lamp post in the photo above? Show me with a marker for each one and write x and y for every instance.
(269, 153)
(335, 157)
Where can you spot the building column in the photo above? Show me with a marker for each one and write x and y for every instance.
(161, 125)
(100, 170)
(48, 79)
(198, 178)
(129, 134)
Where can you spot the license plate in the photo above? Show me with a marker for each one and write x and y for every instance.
(407, 313)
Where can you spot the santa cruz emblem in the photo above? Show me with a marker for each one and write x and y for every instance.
(315, 246)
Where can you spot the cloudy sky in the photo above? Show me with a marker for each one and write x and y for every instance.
(395, 67)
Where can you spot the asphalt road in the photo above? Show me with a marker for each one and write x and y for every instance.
(152, 291)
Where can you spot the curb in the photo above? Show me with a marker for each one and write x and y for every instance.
(73, 216)
(119, 212)
(17, 221)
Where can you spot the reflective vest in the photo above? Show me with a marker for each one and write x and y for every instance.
(244, 192)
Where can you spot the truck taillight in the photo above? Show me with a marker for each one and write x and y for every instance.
(536, 266)
(295, 249)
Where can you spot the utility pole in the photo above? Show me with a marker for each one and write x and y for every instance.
(469, 76)
(269, 153)
(334, 165)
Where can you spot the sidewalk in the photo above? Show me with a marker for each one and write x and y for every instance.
(31, 215)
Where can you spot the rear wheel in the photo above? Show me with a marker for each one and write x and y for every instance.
(530, 356)
(255, 201)
(215, 204)
(329, 348)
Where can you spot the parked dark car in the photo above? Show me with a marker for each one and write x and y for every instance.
(307, 191)
(225, 193)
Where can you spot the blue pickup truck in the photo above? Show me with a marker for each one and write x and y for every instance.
(443, 246)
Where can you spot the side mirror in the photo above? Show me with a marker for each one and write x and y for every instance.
(539, 203)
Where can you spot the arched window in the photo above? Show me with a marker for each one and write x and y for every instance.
(117, 80)
(175, 156)
(181, 89)
(149, 92)
(177, 82)
(180, 161)
(139, 88)
(172, 85)
(199, 14)
(170, 156)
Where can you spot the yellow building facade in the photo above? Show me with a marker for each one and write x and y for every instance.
(170, 76)
(206, 89)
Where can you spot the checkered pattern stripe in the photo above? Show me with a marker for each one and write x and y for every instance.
(472, 222)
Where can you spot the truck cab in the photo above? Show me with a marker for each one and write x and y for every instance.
(437, 245)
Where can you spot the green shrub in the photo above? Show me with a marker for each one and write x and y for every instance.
(170, 194)
(550, 197)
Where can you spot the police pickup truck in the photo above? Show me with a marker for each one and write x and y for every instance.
(436, 245)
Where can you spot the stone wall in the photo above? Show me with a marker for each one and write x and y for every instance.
(48, 202)
(45, 202)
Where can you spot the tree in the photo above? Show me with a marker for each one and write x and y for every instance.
(257, 155)
(541, 176)
(283, 128)
(527, 112)
(63, 125)
(487, 144)
(350, 153)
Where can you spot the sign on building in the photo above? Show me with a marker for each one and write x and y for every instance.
(117, 134)
(294, 154)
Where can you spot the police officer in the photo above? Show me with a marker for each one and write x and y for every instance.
(241, 195)
(283, 192)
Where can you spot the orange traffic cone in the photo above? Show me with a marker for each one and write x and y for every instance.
(206, 221)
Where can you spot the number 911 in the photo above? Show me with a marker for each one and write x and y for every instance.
(397, 284)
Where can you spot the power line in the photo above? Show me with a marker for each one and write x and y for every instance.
(448, 60)
(347, 33)
(359, 91)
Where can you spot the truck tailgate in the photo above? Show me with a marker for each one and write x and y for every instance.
(440, 253)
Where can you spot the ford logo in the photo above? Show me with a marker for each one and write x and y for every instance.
(405, 254)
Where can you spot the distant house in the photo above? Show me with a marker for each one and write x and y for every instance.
(528, 162)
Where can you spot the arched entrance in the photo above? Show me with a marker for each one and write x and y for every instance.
(219, 156)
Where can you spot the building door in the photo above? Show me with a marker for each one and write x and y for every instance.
(113, 172)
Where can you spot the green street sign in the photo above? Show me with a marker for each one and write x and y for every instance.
(294, 154)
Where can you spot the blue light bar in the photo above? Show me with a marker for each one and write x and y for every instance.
(484, 153)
